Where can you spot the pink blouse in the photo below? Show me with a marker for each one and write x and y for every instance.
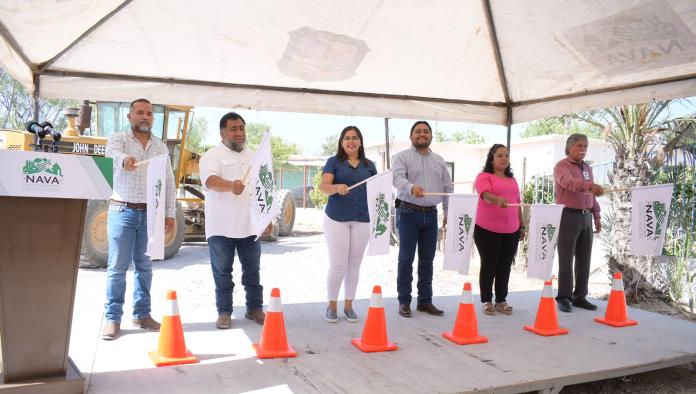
(492, 217)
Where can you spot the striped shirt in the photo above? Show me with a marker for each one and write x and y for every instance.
(428, 171)
(131, 186)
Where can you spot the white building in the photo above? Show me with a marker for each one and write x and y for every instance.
(528, 157)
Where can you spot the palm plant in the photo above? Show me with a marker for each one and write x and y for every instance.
(643, 137)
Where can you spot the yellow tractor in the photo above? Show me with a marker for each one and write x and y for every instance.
(171, 125)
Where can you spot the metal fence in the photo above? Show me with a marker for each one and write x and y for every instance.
(540, 188)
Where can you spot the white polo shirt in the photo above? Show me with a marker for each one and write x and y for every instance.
(226, 213)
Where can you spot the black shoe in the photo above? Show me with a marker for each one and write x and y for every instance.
(405, 310)
(430, 309)
(584, 304)
(564, 306)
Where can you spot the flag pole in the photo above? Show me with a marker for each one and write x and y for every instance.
(365, 181)
(139, 163)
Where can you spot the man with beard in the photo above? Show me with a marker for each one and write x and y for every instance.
(229, 225)
(418, 170)
(127, 220)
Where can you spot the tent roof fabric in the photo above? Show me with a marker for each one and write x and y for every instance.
(485, 61)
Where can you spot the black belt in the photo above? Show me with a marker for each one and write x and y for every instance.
(140, 206)
(419, 208)
(581, 211)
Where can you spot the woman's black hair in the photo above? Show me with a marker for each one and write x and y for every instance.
(341, 154)
(488, 167)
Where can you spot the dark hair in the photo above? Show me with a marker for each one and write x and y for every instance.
(230, 116)
(341, 154)
(140, 100)
(420, 122)
(488, 167)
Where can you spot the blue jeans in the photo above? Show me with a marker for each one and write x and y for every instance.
(221, 258)
(416, 229)
(127, 232)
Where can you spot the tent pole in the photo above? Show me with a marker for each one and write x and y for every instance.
(36, 95)
(386, 142)
(508, 122)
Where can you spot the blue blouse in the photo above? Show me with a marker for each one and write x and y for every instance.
(352, 206)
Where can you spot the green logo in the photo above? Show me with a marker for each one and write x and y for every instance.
(264, 192)
(158, 192)
(42, 172)
(467, 222)
(463, 226)
(382, 220)
(655, 215)
(546, 236)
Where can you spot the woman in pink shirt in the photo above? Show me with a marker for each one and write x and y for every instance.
(498, 228)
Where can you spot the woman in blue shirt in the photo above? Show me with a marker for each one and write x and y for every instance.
(346, 221)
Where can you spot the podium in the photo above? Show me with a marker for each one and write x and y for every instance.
(43, 197)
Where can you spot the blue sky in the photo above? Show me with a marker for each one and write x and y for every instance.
(308, 131)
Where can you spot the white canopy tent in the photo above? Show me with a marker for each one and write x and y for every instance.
(486, 61)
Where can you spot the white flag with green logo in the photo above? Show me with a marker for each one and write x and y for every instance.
(264, 203)
(156, 185)
(649, 218)
(379, 207)
(543, 234)
(459, 237)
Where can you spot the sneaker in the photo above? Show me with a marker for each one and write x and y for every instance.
(224, 321)
(256, 315)
(351, 316)
(331, 315)
(110, 330)
(147, 323)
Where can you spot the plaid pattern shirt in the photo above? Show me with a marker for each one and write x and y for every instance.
(130, 186)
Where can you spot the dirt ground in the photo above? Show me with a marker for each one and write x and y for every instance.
(678, 379)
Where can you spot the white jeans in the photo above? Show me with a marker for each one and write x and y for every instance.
(346, 242)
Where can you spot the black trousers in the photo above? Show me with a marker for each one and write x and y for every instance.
(497, 252)
(574, 241)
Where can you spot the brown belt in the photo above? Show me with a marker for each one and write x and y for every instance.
(415, 207)
(140, 206)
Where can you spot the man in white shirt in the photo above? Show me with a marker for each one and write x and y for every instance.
(228, 225)
(127, 221)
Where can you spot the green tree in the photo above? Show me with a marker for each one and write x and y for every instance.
(642, 136)
(16, 106)
(318, 198)
(328, 147)
(468, 137)
(560, 126)
(196, 135)
(280, 149)
(440, 136)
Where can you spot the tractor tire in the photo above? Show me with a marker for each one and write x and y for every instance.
(173, 240)
(272, 234)
(95, 243)
(286, 217)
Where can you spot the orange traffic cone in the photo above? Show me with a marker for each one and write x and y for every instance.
(616, 314)
(274, 341)
(465, 329)
(172, 348)
(546, 322)
(374, 336)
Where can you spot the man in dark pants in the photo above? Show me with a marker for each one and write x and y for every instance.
(229, 225)
(576, 190)
(418, 170)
